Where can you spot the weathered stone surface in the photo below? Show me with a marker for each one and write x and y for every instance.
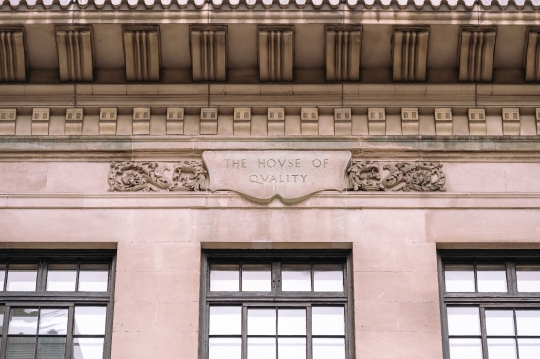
(23, 177)
(78, 177)
(314, 225)
(483, 226)
(289, 175)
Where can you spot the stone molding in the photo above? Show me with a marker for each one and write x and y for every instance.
(270, 121)
(209, 53)
(409, 54)
(220, 200)
(249, 5)
(13, 60)
(276, 53)
(75, 53)
(476, 52)
(142, 53)
(343, 47)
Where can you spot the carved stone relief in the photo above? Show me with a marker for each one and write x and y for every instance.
(400, 176)
(188, 175)
(360, 175)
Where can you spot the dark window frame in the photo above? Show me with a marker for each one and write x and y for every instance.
(41, 298)
(511, 300)
(276, 298)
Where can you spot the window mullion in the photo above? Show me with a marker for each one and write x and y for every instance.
(511, 277)
(244, 332)
(312, 278)
(309, 333)
(475, 278)
(5, 332)
(69, 334)
(41, 279)
(483, 332)
(37, 328)
(278, 278)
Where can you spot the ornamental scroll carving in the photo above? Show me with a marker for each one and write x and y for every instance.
(360, 175)
(400, 176)
(189, 175)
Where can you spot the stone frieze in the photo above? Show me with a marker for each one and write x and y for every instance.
(401, 176)
(193, 175)
(188, 175)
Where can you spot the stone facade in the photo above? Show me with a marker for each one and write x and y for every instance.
(105, 149)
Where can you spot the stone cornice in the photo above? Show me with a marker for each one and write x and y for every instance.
(466, 5)
(252, 95)
(377, 15)
(125, 148)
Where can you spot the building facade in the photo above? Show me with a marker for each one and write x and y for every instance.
(269, 179)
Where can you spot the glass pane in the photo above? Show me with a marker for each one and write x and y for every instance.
(528, 322)
(491, 278)
(500, 322)
(225, 320)
(291, 322)
(328, 278)
(225, 348)
(51, 348)
(2, 309)
(292, 348)
(501, 348)
(224, 278)
(463, 321)
(61, 277)
(90, 320)
(23, 321)
(459, 278)
(261, 348)
(2, 276)
(529, 348)
(53, 322)
(22, 278)
(256, 278)
(328, 348)
(528, 279)
(93, 278)
(261, 322)
(465, 348)
(296, 278)
(87, 348)
(328, 320)
(21, 347)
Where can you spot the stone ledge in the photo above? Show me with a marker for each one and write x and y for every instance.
(228, 200)
(119, 148)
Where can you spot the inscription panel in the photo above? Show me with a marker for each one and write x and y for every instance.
(291, 176)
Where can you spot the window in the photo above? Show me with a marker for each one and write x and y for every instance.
(56, 304)
(276, 304)
(490, 304)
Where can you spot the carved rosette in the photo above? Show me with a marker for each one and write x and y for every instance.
(403, 176)
(149, 176)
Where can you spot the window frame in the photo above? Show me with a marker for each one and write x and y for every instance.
(510, 300)
(41, 298)
(275, 298)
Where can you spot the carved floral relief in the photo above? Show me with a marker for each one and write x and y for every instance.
(401, 176)
(189, 175)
